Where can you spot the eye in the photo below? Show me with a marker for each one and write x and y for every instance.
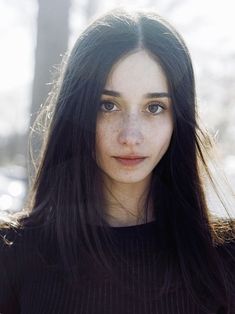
(156, 108)
(107, 106)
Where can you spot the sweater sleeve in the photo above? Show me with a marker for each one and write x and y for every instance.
(8, 297)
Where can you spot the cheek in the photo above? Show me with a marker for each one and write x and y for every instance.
(162, 135)
(104, 136)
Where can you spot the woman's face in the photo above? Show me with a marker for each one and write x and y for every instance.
(135, 119)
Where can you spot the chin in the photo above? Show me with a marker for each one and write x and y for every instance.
(128, 179)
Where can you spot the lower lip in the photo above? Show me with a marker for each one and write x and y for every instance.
(130, 162)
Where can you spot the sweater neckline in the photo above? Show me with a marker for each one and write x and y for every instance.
(145, 230)
(133, 227)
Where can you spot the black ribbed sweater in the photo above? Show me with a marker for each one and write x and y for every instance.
(30, 284)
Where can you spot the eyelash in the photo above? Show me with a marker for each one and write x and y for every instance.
(153, 103)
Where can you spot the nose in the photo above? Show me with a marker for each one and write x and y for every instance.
(130, 132)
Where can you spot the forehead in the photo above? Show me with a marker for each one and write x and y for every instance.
(137, 73)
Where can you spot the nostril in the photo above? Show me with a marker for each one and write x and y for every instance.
(130, 136)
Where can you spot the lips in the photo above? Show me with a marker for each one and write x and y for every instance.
(131, 157)
(130, 160)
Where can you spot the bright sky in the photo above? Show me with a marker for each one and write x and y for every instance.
(207, 26)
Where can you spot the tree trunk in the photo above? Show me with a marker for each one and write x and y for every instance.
(52, 42)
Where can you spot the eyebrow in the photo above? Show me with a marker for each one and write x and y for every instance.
(148, 95)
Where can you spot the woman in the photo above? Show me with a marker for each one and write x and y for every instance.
(117, 219)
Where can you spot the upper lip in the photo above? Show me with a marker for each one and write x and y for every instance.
(130, 157)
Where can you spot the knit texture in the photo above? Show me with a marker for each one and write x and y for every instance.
(31, 283)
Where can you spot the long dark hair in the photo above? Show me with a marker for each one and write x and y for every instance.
(66, 194)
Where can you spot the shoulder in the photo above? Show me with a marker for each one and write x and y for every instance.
(18, 261)
(225, 238)
(10, 263)
(13, 237)
(22, 251)
(23, 232)
(15, 245)
(18, 244)
(227, 252)
(11, 232)
(25, 248)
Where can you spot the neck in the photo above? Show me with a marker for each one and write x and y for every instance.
(126, 204)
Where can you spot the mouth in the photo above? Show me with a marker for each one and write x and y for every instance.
(130, 161)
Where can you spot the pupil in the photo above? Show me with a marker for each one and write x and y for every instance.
(108, 105)
(153, 107)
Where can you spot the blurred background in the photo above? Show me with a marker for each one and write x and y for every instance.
(35, 34)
